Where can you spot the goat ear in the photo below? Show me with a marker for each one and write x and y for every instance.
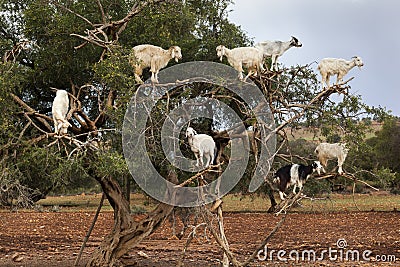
(296, 41)
(222, 48)
(172, 53)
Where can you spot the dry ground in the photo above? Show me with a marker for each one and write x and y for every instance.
(54, 239)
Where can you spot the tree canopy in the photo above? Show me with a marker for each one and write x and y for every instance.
(41, 55)
(83, 47)
(47, 45)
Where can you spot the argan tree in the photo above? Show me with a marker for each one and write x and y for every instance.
(83, 47)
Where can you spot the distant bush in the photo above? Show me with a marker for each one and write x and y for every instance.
(385, 178)
(317, 187)
(395, 185)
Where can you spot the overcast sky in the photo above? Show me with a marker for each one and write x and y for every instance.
(334, 28)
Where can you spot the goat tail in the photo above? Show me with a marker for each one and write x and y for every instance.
(276, 179)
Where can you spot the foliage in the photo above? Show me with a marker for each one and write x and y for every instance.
(386, 178)
(315, 188)
(381, 155)
(387, 145)
(50, 60)
(198, 27)
(15, 194)
(12, 79)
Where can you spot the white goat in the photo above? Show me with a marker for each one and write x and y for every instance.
(337, 66)
(327, 151)
(201, 145)
(275, 49)
(249, 57)
(144, 56)
(60, 110)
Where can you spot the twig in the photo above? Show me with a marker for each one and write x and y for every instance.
(354, 201)
(287, 203)
(103, 196)
(209, 169)
(206, 214)
(265, 241)
(20, 102)
(114, 28)
(352, 177)
(347, 176)
(326, 176)
(192, 234)
(225, 260)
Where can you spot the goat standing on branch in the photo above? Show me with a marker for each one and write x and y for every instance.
(60, 110)
(327, 151)
(337, 66)
(201, 145)
(294, 174)
(275, 49)
(155, 57)
(240, 57)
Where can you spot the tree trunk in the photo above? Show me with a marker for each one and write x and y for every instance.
(127, 185)
(126, 233)
(270, 193)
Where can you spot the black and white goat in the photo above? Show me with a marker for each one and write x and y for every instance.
(275, 49)
(294, 174)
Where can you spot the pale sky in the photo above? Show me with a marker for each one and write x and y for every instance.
(334, 28)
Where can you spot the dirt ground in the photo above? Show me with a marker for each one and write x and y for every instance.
(54, 239)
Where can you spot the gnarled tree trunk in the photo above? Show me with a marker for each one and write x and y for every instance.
(126, 233)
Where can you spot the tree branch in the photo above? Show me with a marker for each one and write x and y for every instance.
(39, 117)
(112, 28)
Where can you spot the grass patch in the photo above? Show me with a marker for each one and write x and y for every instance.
(89, 202)
(238, 203)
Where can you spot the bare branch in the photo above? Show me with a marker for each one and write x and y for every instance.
(349, 176)
(265, 241)
(72, 12)
(109, 28)
(11, 55)
(34, 113)
(103, 15)
(194, 177)
(206, 217)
